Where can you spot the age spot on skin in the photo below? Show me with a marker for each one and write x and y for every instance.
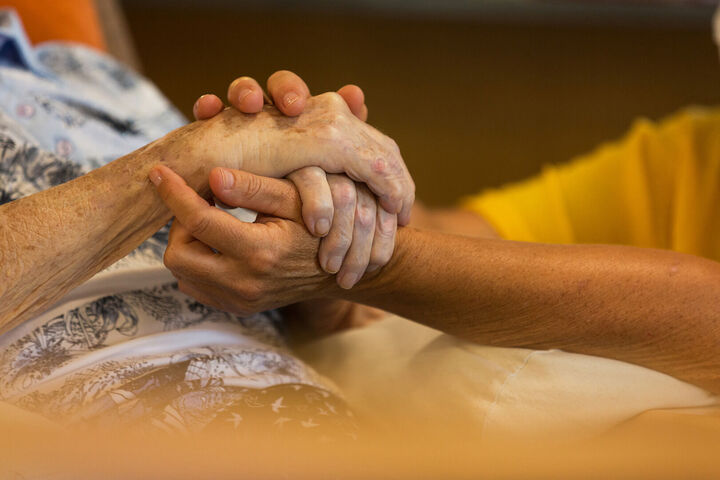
(379, 165)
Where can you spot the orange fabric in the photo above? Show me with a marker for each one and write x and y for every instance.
(69, 20)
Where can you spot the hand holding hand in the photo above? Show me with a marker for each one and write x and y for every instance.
(326, 135)
(235, 266)
(359, 235)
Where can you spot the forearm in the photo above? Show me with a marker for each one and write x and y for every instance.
(54, 240)
(454, 221)
(649, 307)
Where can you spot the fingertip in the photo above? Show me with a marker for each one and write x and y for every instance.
(404, 216)
(156, 175)
(215, 179)
(292, 103)
(288, 91)
(223, 181)
(250, 101)
(407, 207)
(317, 216)
(354, 98)
(364, 113)
(207, 106)
(195, 109)
(390, 204)
(331, 262)
(353, 94)
(322, 227)
(348, 280)
(245, 94)
(162, 175)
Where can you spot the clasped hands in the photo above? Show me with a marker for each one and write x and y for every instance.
(337, 211)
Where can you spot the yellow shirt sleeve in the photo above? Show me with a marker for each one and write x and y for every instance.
(657, 187)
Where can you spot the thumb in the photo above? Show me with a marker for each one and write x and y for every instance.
(270, 196)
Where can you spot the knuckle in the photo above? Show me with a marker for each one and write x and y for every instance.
(385, 231)
(198, 223)
(338, 118)
(336, 244)
(365, 217)
(251, 293)
(170, 258)
(344, 194)
(396, 191)
(332, 99)
(329, 132)
(393, 146)
(365, 154)
(340, 244)
(173, 261)
(250, 186)
(263, 261)
(311, 174)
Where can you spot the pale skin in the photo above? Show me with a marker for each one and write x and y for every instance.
(72, 231)
(359, 234)
(649, 307)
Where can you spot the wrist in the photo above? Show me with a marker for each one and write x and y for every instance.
(390, 278)
(226, 139)
(190, 152)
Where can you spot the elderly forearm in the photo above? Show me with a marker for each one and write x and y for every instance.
(54, 240)
(654, 308)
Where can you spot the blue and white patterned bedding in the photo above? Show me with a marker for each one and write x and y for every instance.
(129, 347)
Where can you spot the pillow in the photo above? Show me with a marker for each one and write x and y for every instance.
(61, 20)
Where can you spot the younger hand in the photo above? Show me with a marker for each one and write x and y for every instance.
(240, 267)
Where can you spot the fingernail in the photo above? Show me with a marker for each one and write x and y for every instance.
(334, 264)
(348, 280)
(372, 268)
(228, 179)
(290, 98)
(243, 94)
(155, 177)
(322, 227)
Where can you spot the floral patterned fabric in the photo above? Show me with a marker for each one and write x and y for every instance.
(131, 350)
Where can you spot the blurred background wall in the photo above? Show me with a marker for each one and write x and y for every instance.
(475, 93)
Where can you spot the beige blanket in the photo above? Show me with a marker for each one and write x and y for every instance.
(401, 373)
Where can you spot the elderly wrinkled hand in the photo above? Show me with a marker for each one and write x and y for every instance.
(326, 135)
(332, 207)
